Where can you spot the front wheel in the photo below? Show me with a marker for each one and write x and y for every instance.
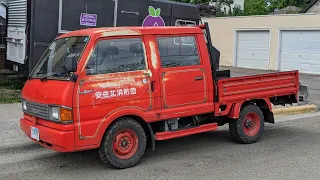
(124, 144)
(249, 126)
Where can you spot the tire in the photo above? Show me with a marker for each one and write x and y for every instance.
(123, 144)
(249, 126)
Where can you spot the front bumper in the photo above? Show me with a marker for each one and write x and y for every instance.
(62, 141)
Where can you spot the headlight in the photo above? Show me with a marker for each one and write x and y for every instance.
(62, 114)
(24, 105)
(55, 113)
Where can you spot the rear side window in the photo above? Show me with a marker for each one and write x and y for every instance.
(117, 55)
(178, 51)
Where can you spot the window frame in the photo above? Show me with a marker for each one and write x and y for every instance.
(179, 35)
(114, 38)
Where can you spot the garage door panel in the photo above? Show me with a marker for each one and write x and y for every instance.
(300, 50)
(252, 49)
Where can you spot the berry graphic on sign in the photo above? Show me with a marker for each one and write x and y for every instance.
(154, 18)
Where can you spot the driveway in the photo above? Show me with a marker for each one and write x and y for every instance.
(288, 150)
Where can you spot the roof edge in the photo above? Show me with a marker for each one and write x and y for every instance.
(305, 9)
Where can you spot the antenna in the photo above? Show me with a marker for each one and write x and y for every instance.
(87, 15)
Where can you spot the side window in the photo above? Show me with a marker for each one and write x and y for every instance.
(117, 55)
(178, 51)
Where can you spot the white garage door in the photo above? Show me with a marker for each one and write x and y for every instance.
(300, 50)
(252, 49)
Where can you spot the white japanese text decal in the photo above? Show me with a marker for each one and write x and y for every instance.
(115, 93)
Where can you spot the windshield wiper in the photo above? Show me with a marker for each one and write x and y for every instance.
(44, 78)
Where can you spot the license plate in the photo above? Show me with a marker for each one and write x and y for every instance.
(35, 133)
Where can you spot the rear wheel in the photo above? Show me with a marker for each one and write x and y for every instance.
(124, 144)
(249, 126)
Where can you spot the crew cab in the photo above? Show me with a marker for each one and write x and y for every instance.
(119, 90)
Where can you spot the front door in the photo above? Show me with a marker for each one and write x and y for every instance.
(182, 75)
(115, 84)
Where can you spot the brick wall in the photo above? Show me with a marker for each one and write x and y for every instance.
(2, 57)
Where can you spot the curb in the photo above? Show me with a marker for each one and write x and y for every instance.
(295, 110)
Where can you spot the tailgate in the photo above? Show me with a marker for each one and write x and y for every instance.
(258, 86)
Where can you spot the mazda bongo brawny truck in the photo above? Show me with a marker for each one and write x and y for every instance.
(119, 90)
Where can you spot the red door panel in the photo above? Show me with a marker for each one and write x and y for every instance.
(183, 86)
(100, 97)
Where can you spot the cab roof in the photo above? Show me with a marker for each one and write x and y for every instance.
(127, 31)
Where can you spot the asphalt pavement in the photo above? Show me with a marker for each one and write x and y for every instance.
(289, 149)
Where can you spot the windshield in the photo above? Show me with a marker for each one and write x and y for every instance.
(61, 58)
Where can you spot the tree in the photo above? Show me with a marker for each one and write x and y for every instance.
(207, 10)
(297, 3)
(255, 7)
(227, 3)
(237, 11)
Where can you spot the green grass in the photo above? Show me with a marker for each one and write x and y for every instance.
(9, 95)
(10, 88)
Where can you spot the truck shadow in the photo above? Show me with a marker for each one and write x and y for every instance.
(209, 144)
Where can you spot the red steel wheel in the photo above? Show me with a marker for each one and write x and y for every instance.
(125, 144)
(251, 124)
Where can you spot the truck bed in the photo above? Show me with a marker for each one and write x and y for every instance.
(258, 86)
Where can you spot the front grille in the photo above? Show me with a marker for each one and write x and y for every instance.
(37, 110)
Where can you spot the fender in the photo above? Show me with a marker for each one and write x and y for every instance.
(265, 103)
(120, 112)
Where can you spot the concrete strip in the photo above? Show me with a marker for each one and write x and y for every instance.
(295, 110)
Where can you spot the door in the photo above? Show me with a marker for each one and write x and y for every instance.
(182, 76)
(131, 13)
(252, 49)
(16, 40)
(300, 50)
(115, 83)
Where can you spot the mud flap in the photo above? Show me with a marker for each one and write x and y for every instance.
(303, 94)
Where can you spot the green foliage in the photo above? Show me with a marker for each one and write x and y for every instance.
(286, 3)
(237, 11)
(255, 7)
(251, 7)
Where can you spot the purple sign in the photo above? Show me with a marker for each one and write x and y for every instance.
(88, 19)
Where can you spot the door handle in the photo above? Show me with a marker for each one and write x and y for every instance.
(86, 92)
(152, 86)
(198, 78)
(127, 12)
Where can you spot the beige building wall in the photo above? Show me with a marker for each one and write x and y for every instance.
(223, 32)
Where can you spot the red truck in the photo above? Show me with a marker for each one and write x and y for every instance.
(119, 90)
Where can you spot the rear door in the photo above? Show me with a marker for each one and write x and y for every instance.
(182, 75)
(131, 13)
(16, 40)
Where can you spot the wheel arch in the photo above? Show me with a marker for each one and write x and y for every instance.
(264, 104)
(137, 116)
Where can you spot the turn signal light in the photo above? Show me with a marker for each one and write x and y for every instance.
(65, 114)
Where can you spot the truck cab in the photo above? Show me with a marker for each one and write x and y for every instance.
(121, 89)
